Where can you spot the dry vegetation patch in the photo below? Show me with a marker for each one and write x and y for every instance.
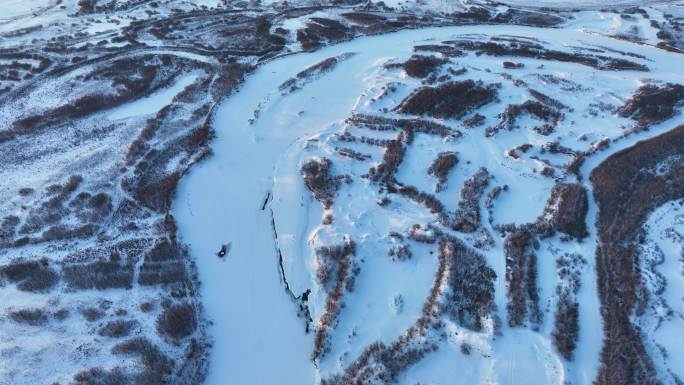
(565, 211)
(450, 100)
(652, 104)
(441, 166)
(420, 66)
(628, 186)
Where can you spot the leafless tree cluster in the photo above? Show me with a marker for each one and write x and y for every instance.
(450, 100)
(335, 267)
(441, 166)
(467, 216)
(521, 279)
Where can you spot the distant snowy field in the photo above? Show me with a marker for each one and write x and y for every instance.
(14, 8)
(582, 3)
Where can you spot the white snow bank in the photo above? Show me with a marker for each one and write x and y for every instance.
(153, 103)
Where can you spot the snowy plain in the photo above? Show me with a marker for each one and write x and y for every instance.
(262, 136)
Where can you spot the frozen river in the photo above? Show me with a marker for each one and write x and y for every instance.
(257, 336)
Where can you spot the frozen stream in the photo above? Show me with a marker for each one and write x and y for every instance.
(257, 336)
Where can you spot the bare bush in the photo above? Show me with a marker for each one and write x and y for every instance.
(335, 260)
(521, 278)
(566, 327)
(512, 65)
(419, 234)
(449, 100)
(392, 158)
(34, 276)
(445, 50)
(467, 216)
(163, 273)
(652, 104)
(318, 179)
(441, 166)
(165, 250)
(156, 194)
(99, 376)
(627, 189)
(92, 314)
(8, 228)
(99, 275)
(400, 252)
(318, 30)
(528, 49)
(428, 200)
(117, 328)
(157, 366)
(565, 211)
(471, 285)
(33, 317)
(508, 118)
(419, 66)
(178, 321)
(474, 121)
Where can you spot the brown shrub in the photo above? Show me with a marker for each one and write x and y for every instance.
(33, 317)
(474, 121)
(157, 193)
(566, 325)
(98, 275)
(512, 65)
(467, 216)
(99, 376)
(441, 48)
(92, 314)
(537, 51)
(157, 366)
(34, 276)
(508, 118)
(162, 273)
(318, 30)
(163, 251)
(334, 260)
(450, 100)
(117, 328)
(419, 66)
(391, 159)
(401, 252)
(178, 321)
(627, 188)
(521, 277)
(565, 211)
(547, 100)
(428, 200)
(652, 104)
(441, 166)
(318, 179)
(8, 228)
(471, 284)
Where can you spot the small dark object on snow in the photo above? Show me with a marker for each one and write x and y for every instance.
(224, 250)
(512, 65)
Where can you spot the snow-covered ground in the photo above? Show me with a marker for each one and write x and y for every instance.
(584, 4)
(663, 263)
(265, 134)
(16, 8)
